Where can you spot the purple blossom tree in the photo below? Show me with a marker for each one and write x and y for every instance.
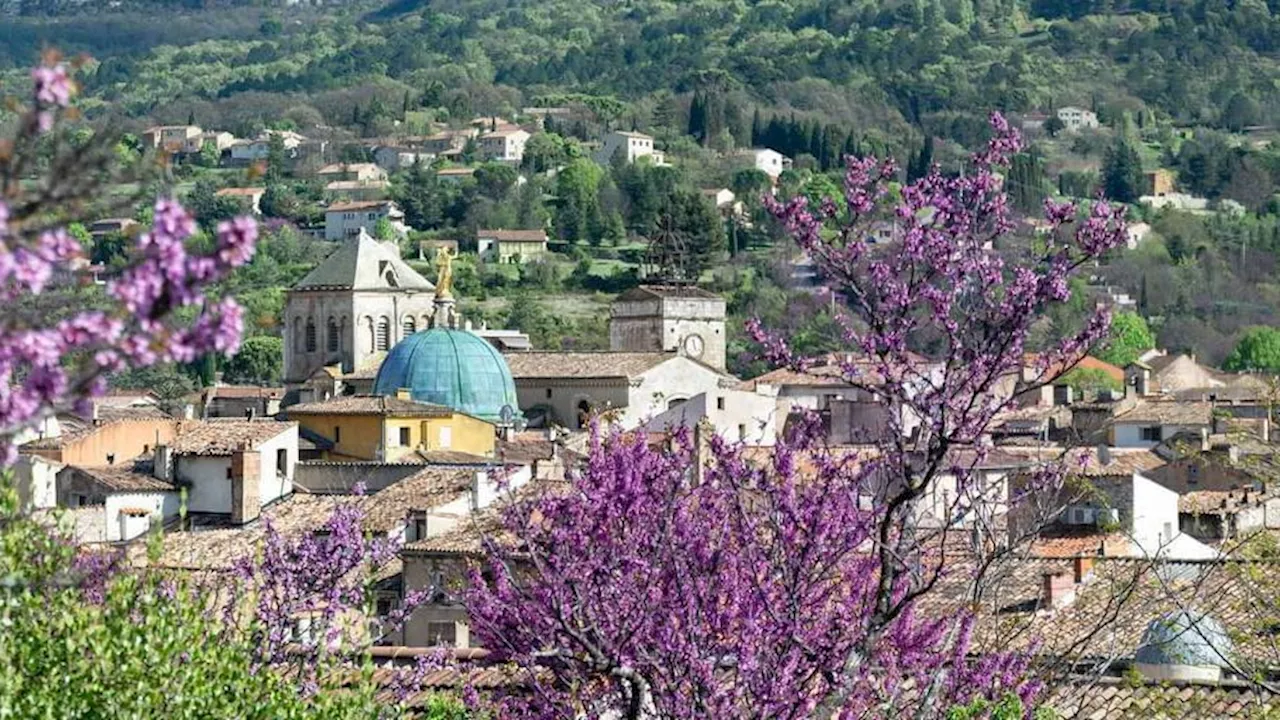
(51, 367)
(702, 580)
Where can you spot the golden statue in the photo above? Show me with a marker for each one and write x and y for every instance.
(444, 272)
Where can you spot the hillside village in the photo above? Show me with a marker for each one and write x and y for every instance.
(395, 401)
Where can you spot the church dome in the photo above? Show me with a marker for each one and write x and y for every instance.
(1184, 646)
(454, 368)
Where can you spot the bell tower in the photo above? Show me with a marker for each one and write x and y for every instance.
(670, 318)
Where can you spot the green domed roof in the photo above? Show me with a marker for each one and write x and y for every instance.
(455, 368)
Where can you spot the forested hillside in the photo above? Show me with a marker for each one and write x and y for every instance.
(1191, 87)
(867, 63)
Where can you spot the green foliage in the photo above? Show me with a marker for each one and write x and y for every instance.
(1129, 337)
(1257, 350)
(577, 215)
(383, 230)
(1088, 381)
(258, 362)
(1122, 178)
(1009, 707)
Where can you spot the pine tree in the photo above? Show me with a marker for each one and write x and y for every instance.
(1122, 177)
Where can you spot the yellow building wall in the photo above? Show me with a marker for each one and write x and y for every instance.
(466, 434)
(358, 436)
(361, 436)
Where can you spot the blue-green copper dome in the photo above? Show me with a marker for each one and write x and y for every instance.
(455, 368)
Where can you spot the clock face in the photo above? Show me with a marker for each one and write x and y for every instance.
(693, 345)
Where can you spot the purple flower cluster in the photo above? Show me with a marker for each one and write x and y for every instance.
(694, 580)
(45, 369)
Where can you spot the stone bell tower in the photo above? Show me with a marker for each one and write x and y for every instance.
(671, 318)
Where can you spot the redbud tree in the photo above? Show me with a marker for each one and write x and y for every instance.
(698, 579)
(93, 632)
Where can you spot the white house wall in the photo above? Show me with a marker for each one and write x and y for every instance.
(747, 416)
(157, 504)
(1130, 435)
(209, 489)
(278, 482)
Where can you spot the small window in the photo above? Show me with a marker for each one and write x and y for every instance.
(333, 339)
(337, 434)
(446, 437)
(720, 403)
(404, 437)
(383, 338)
(419, 526)
(282, 462)
(385, 606)
(742, 433)
(1151, 434)
(228, 472)
(410, 326)
(311, 336)
(548, 393)
(442, 634)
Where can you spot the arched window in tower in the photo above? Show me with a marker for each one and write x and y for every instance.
(383, 338)
(333, 339)
(311, 335)
(409, 325)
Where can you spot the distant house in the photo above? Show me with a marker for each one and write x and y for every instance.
(351, 172)
(507, 246)
(1159, 182)
(172, 138)
(1135, 234)
(247, 151)
(1075, 119)
(720, 197)
(1177, 201)
(632, 146)
(454, 174)
(449, 142)
(504, 145)
(358, 189)
(106, 226)
(1033, 121)
(252, 196)
(392, 158)
(770, 162)
(346, 219)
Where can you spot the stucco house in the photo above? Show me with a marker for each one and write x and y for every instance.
(348, 218)
(507, 246)
(129, 495)
(768, 161)
(363, 172)
(627, 388)
(1075, 119)
(389, 428)
(504, 145)
(630, 146)
(734, 415)
(250, 196)
(231, 467)
(1148, 422)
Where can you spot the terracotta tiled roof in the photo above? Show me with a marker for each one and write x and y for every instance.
(828, 375)
(1125, 699)
(447, 457)
(1088, 362)
(244, 391)
(583, 364)
(532, 236)
(356, 205)
(1219, 502)
(1086, 461)
(428, 489)
(1168, 412)
(1078, 544)
(108, 413)
(240, 192)
(132, 476)
(381, 405)
(225, 437)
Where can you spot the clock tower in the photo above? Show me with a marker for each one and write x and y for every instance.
(672, 318)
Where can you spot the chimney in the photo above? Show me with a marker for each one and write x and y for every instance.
(93, 413)
(1233, 453)
(1264, 430)
(1204, 439)
(246, 469)
(1058, 589)
(1104, 454)
(162, 463)
(1112, 547)
(702, 433)
(1082, 566)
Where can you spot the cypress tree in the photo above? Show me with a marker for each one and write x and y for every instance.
(756, 129)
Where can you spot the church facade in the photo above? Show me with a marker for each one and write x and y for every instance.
(352, 308)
